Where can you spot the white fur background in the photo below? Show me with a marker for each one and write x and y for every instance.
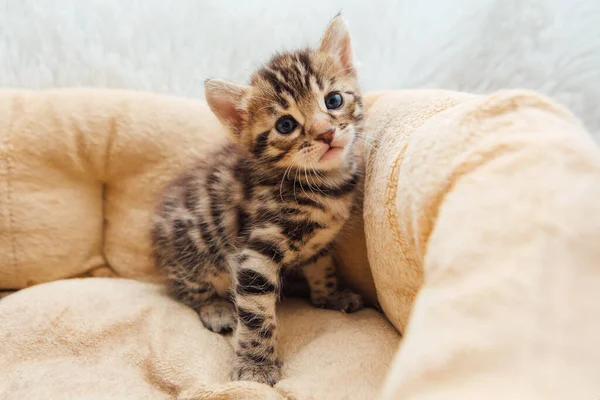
(552, 46)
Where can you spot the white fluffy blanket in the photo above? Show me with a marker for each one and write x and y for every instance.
(552, 46)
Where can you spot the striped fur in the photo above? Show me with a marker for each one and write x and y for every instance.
(267, 203)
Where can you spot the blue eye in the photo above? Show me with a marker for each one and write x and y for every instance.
(333, 101)
(286, 125)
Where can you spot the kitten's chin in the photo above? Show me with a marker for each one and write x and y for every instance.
(332, 158)
(332, 154)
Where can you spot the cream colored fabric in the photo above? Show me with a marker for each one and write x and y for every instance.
(79, 174)
(492, 204)
(80, 170)
(103, 338)
(489, 203)
(396, 266)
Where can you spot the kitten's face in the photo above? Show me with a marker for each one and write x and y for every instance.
(302, 110)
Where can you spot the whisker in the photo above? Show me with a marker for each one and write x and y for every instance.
(370, 138)
(367, 145)
(363, 141)
(302, 187)
(319, 177)
(282, 179)
(295, 179)
(316, 177)
(308, 181)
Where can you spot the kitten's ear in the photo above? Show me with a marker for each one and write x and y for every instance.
(336, 41)
(226, 100)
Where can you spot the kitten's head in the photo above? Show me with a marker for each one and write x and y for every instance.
(302, 109)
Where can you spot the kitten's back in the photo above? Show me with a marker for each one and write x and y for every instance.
(203, 206)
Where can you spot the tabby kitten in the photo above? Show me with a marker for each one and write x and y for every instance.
(270, 201)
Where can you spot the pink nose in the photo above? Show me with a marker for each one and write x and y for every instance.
(327, 136)
(322, 129)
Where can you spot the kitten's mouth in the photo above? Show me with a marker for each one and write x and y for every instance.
(331, 153)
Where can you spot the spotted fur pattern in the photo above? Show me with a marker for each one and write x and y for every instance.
(228, 228)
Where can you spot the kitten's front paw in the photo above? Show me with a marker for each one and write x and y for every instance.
(218, 315)
(345, 301)
(268, 373)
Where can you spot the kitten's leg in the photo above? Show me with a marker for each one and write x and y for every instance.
(216, 313)
(323, 284)
(256, 285)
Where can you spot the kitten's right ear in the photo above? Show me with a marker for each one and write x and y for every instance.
(226, 100)
(336, 41)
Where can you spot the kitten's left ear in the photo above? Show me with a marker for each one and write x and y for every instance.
(336, 42)
(226, 100)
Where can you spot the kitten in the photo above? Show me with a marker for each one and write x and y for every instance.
(270, 201)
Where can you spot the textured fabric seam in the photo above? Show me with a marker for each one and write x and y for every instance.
(391, 188)
(9, 188)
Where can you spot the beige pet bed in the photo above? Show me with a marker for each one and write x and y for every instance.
(481, 226)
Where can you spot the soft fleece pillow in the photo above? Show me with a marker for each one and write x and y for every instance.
(484, 206)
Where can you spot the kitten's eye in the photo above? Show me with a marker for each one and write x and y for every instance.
(286, 125)
(333, 101)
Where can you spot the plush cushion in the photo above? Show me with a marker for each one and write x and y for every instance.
(123, 339)
(80, 173)
(488, 209)
(480, 224)
(82, 169)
